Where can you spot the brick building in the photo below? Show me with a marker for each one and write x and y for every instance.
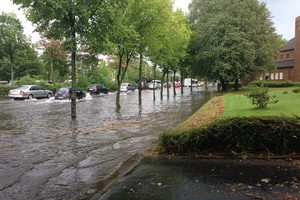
(287, 60)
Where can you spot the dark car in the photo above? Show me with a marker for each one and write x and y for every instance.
(97, 89)
(66, 93)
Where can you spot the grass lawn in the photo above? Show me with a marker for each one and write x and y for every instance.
(240, 105)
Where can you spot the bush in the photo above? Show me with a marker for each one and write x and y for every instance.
(4, 90)
(260, 97)
(236, 136)
(296, 90)
(274, 83)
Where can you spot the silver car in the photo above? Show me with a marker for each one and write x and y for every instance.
(125, 87)
(29, 92)
(154, 84)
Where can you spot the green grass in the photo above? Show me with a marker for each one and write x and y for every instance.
(240, 105)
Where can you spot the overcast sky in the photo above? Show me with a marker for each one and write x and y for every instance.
(284, 13)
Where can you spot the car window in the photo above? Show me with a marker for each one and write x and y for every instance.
(23, 87)
(39, 88)
(33, 88)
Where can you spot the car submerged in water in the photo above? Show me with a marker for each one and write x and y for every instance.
(97, 89)
(30, 92)
(65, 93)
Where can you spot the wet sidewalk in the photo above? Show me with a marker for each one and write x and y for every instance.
(159, 178)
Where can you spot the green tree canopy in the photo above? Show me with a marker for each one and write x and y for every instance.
(73, 22)
(232, 39)
(17, 55)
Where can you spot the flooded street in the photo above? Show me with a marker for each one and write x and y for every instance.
(47, 155)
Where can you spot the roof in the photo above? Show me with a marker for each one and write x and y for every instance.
(290, 45)
(285, 63)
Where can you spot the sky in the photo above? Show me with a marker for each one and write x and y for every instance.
(283, 14)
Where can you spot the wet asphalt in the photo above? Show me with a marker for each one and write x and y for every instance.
(161, 178)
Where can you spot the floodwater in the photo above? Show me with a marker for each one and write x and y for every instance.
(45, 154)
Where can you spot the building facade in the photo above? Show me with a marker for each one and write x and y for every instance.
(287, 60)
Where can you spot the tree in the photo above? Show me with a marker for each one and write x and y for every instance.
(18, 57)
(171, 44)
(54, 53)
(73, 22)
(232, 39)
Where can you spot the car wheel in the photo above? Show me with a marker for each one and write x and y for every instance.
(49, 95)
(30, 96)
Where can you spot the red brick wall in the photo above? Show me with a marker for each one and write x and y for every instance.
(296, 71)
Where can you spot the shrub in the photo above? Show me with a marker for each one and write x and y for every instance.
(296, 90)
(4, 90)
(236, 136)
(260, 97)
(274, 83)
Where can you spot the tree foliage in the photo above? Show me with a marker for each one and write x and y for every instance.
(17, 57)
(73, 22)
(54, 56)
(232, 39)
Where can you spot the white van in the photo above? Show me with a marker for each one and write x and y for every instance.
(188, 82)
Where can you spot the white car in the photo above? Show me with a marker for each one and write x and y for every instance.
(154, 84)
(125, 87)
(29, 92)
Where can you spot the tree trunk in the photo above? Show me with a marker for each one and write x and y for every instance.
(73, 96)
(223, 84)
(168, 91)
(12, 63)
(174, 89)
(181, 81)
(162, 88)
(236, 84)
(118, 105)
(154, 74)
(51, 72)
(140, 79)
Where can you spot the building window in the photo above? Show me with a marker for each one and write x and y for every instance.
(272, 76)
(287, 55)
(281, 75)
(276, 76)
(281, 56)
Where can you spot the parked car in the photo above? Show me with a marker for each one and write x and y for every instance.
(154, 84)
(125, 87)
(144, 85)
(66, 93)
(168, 85)
(97, 89)
(29, 92)
(177, 84)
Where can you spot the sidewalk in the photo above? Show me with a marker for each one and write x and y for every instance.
(156, 178)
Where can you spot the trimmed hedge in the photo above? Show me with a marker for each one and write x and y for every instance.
(274, 83)
(236, 136)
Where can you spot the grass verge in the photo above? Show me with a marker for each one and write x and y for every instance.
(230, 125)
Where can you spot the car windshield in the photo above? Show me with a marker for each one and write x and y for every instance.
(124, 84)
(62, 90)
